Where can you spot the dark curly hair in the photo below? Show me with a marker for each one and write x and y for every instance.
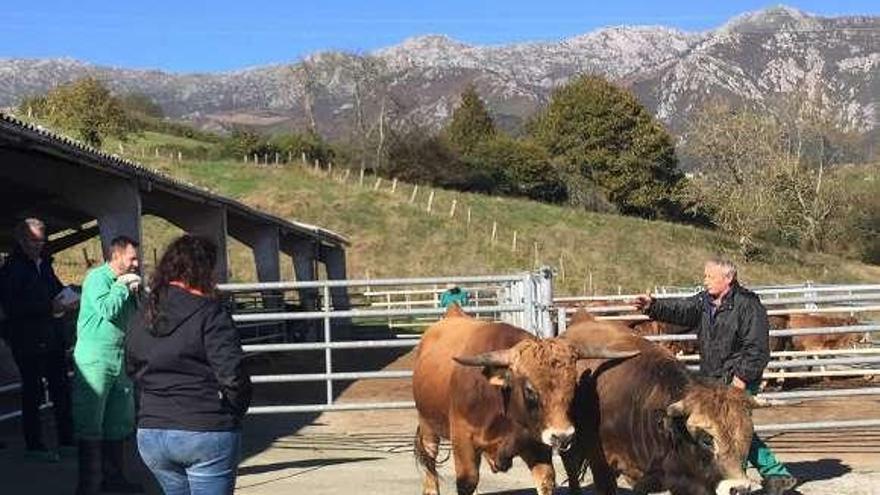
(190, 259)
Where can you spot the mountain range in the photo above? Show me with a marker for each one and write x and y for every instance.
(753, 58)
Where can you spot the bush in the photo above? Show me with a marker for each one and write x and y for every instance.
(519, 168)
(421, 157)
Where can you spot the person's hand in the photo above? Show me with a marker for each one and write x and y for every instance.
(642, 302)
(131, 281)
(58, 309)
(738, 383)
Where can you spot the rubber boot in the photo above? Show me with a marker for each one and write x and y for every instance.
(89, 482)
(114, 477)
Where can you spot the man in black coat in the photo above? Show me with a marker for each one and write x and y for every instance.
(733, 336)
(28, 290)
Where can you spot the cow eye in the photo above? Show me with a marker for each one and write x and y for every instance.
(531, 395)
(705, 441)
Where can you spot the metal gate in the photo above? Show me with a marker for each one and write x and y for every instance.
(523, 300)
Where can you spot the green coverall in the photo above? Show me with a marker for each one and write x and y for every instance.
(103, 403)
(760, 454)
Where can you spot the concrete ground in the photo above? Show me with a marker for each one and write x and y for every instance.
(371, 453)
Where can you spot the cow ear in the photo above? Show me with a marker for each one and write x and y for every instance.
(498, 377)
(581, 315)
(455, 311)
(676, 410)
(757, 402)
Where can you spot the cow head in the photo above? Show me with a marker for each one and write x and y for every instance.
(538, 380)
(712, 430)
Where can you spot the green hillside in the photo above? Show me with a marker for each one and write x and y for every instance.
(394, 237)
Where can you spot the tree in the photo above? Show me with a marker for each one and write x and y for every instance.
(519, 168)
(86, 108)
(759, 181)
(471, 123)
(599, 134)
(735, 151)
(417, 155)
(141, 105)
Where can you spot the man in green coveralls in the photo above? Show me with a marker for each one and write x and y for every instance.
(103, 404)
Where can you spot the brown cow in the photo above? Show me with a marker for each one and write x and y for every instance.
(509, 395)
(659, 425)
(826, 341)
(676, 347)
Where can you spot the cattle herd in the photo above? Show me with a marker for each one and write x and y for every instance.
(601, 396)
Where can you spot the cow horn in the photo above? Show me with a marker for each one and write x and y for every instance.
(758, 402)
(602, 352)
(676, 409)
(492, 358)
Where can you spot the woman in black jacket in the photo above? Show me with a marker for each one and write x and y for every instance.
(184, 356)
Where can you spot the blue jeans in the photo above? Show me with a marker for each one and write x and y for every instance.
(191, 462)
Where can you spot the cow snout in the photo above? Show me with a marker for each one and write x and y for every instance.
(734, 487)
(558, 439)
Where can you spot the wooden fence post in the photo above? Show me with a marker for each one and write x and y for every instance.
(430, 201)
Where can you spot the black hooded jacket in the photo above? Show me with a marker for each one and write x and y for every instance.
(733, 339)
(187, 365)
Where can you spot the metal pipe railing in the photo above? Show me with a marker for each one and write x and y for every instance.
(317, 284)
(345, 406)
(819, 394)
(357, 313)
(330, 377)
(780, 333)
(819, 425)
(766, 302)
(757, 290)
(318, 346)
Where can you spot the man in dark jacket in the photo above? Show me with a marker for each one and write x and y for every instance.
(28, 290)
(733, 336)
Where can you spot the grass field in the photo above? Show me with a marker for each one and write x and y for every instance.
(394, 236)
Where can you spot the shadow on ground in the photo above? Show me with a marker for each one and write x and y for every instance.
(279, 466)
(818, 470)
(260, 431)
(562, 490)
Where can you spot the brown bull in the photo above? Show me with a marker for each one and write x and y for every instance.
(494, 391)
(826, 341)
(644, 328)
(658, 425)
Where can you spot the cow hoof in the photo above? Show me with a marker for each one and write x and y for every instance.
(778, 485)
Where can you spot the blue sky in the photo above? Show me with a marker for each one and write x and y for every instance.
(197, 35)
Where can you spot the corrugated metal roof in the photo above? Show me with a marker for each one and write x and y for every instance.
(89, 156)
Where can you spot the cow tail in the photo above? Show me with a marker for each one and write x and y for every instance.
(423, 457)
